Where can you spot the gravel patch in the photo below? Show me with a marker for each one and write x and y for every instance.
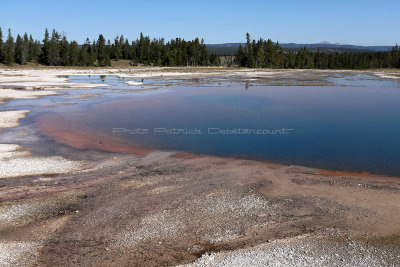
(42, 79)
(134, 83)
(14, 162)
(8, 151)
(159, 225)
(8, 147)
(14, 214)
(145, 181)
(9, 119)
(385, 75)
(18, 253)
(36, 165)
(232, 210)
(6, 94)
(304, 252)
(162, 189)
(225, 202)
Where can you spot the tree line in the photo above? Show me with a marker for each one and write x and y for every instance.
(267, 54)
(56, 50)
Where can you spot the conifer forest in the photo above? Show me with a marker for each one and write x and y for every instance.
(56, 50)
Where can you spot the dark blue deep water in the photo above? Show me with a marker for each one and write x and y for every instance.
(352, 126)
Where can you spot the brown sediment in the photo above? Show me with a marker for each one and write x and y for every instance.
(62, 130)
(355, 175)
(202, 204)
(187, 155)
(358, 176)
(345, 173)
(28, 191)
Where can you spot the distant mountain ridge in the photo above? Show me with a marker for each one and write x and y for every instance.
(231, 48)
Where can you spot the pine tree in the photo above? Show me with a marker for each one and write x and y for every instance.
(54, 49)
(73, 53)
(121, 46)
(251, 60)
(107, 61)
(108, 55)
(44, 56)
(116, 48)
(19, 58)
(133, 58)
(25, 48)
(33, 50)
(249, 52)
(260, 54)
(93, 53)
(240, 57)
(126, 50)
(203, 54)
(270, 54)
(290, 61)
(279, 56)
(9, 50)
(101, 51)
(140, 49)
(84, 54)
(248, 43)
(65, 59)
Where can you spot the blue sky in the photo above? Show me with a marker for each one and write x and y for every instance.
(302, 21)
